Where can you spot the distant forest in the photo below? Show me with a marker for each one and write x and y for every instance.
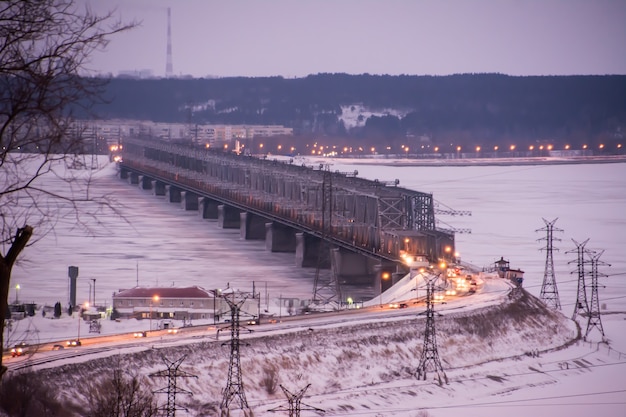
(465, 110)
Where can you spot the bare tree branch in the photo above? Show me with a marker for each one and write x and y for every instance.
(45, 46)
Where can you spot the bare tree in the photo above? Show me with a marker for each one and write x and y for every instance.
(121, 395)
(27, 394)
(45, 47)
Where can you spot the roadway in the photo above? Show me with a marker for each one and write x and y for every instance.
(490, 292)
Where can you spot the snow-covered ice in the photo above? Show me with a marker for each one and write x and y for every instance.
(163, 244)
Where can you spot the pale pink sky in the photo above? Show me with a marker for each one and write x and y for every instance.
(297, 38)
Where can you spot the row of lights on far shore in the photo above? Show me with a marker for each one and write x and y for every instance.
(335, 150)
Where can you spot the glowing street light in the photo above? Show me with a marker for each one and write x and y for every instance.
(155, 298)
(17, 287)
(384, 277)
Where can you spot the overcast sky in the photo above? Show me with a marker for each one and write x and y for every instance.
(294, 38)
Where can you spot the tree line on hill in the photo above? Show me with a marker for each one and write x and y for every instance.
(465, 109)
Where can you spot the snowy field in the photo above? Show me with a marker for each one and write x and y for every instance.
(162, 244)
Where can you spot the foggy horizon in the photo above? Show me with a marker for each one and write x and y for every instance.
(296, 39)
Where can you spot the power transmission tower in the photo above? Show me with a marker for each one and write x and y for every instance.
(549, 292)
(581, 307)
(430, 362)
(328, 292)
(169, 66)
(594, 320)
(295, 403)
(171, 373)
(234, 385)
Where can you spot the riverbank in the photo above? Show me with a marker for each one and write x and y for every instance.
(459, 162)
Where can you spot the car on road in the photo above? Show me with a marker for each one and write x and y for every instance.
(140, 334)
(19, 349)
(73, 343)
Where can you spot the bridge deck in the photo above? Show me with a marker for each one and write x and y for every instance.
(367, 217)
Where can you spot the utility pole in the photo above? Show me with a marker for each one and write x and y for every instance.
(329, 292)
(430, 362)
(295, 403)
(581, 307)
(171, 373)
(549, 292)
(594, 320)
(234, 385)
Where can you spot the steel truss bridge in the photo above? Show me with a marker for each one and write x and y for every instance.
(376, 219)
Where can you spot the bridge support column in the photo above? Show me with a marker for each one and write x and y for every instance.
(279, 238)
(252, 226)
(145, 183)
(354, 268)
(207, 208)
(382, 277)
(189, 200)
(123, 174)
(133, 178)
(158, 188)
(228, 217)
(172, 194)
(307, 248)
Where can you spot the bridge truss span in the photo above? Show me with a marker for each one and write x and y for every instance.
(368, 217)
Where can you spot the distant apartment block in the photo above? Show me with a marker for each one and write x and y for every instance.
(114, 131)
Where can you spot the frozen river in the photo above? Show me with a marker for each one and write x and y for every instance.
(161, 244)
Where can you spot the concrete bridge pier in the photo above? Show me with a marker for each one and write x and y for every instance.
(228, 217)
(133, 178)
(145, 182)
(307, 250)
(172, 194)
(124, 174)
(188, 200)
(383, 276)
(252, 226)
(158, 188)
(354, 268)
(279, 238)
(207, 208)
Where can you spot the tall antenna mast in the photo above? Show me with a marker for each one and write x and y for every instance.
(169, 67)
(549, 293)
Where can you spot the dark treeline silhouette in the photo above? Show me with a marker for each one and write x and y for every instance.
(467, 109)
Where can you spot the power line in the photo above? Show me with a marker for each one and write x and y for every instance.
(429, 361)
(172, 373)
(234, 385)
(594, 319)
(549, 292)
(580, 307)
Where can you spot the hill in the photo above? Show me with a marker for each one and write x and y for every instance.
(465, 108)
(353, 366)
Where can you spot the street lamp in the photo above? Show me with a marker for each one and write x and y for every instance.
(383, 277)
(86, 306)
(155, 299)
(17, 287)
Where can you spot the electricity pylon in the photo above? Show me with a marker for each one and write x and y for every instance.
(172, 373)
(581, 307)
(594, 320)
(549, 292)
(329, 292)
(295, 403)
(234, 385)
(430, 362)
